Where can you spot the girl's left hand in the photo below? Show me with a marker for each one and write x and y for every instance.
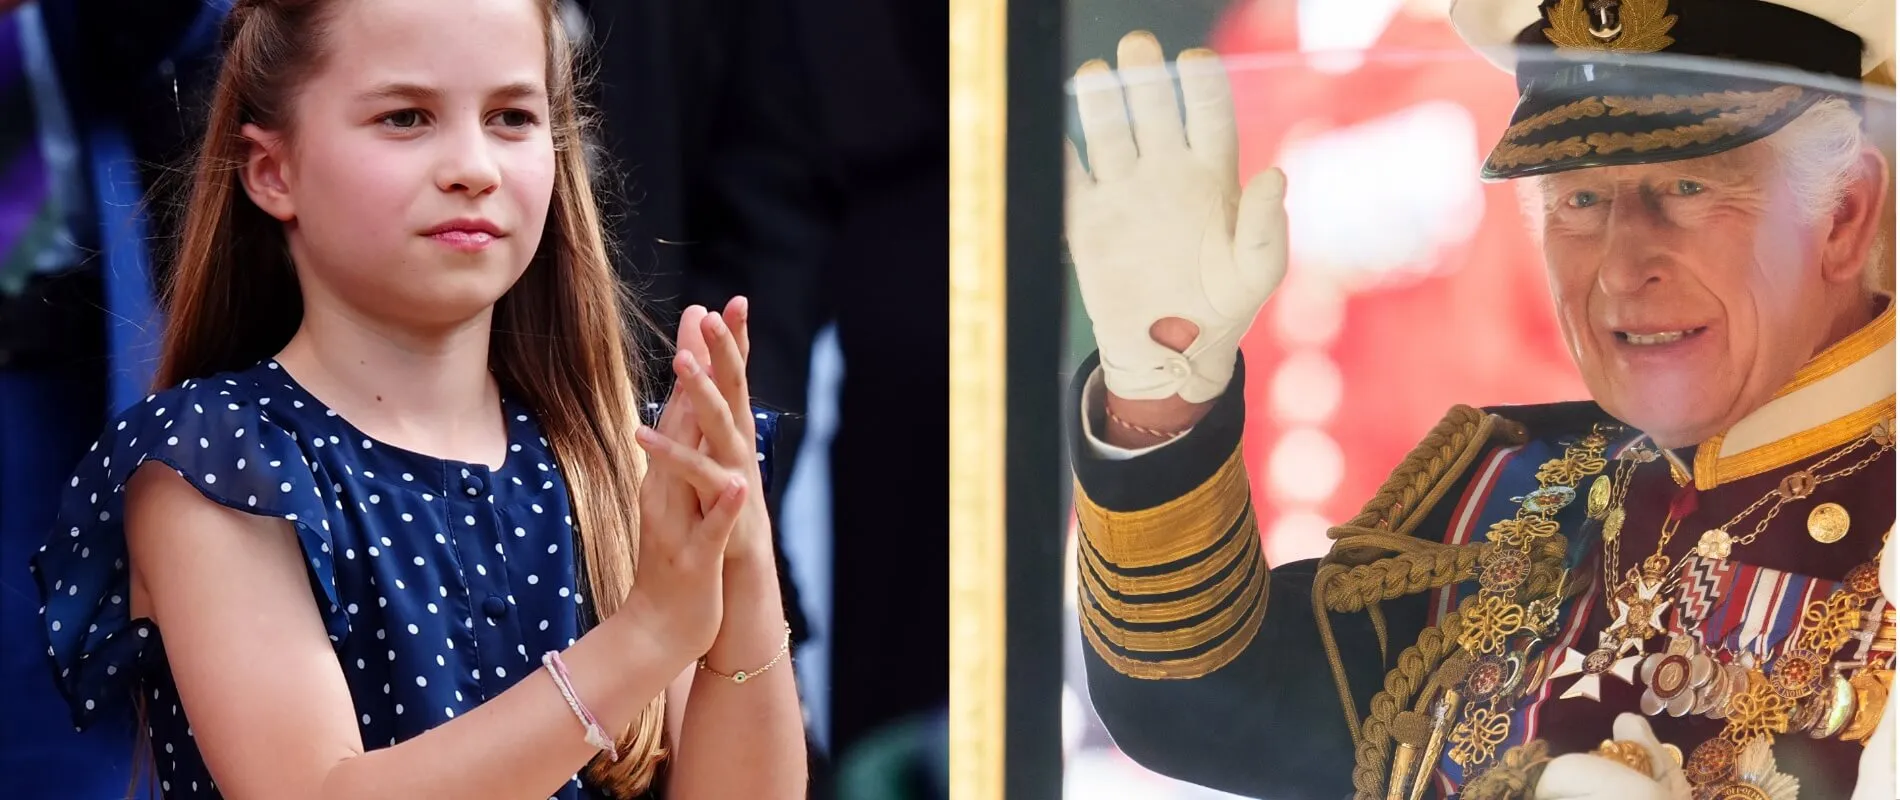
(720, 341)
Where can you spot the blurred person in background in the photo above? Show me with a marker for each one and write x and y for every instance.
(91, 92)
(797, 151)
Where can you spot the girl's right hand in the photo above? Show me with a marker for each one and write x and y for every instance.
(676, 595)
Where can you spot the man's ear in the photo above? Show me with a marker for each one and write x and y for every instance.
(266, 173)
(1858, 219)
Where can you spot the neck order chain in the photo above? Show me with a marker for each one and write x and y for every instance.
(1638, 596)
(1800, 689)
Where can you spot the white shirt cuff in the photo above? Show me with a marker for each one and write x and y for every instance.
(1095, 404)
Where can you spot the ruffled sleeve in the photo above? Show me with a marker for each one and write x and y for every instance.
(226, 446)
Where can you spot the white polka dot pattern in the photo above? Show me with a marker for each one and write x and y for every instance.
(406, 553)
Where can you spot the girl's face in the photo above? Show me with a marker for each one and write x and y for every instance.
(417, 185)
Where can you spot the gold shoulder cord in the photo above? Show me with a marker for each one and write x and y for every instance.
(1346, 582)
(1521, 588)
(1515, 775)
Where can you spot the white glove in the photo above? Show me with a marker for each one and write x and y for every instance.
(1158, 226)
(1876, 781)
(1586, 776)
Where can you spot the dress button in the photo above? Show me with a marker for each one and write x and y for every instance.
(494, 607)
(473, 485)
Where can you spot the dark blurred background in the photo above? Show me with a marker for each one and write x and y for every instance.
(794, 151)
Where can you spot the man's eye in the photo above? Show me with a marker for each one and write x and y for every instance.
(1584, 199)
(1689, 188)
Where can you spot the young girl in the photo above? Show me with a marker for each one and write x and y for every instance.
(393, 522)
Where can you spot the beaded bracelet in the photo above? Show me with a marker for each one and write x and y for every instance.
(596, 735)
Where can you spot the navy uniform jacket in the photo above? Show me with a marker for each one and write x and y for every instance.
(1207, 666)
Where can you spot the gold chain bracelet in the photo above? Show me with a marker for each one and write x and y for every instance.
(743, 675)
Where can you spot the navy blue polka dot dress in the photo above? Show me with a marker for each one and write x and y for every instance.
(441, 583)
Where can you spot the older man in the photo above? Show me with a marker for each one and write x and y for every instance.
(1671, 591)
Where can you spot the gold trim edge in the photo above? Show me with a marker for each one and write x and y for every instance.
(978, 126)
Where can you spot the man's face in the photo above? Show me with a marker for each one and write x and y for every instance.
(1690, 291)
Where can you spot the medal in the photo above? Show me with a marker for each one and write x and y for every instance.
(1547, 499)
(1711, 762)
(1492, 677)
(1713, 697)
(1630, 754)
(1734, 683)
(1720, 769)
(1837, 703)
(1870, 701)
(1798, 674)
(1740, 791)
(1599, 499)
(1807, 713)
(1507, 570)
(1593, 666)
(1827, 523)
(1613, 523)
(1640, 607)
(1865, 579)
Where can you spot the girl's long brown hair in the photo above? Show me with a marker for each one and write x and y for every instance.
(561, 338)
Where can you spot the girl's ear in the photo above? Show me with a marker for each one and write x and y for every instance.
(266, 174)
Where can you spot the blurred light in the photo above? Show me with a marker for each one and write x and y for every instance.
(1374, 202)
(1305, 466)
(1306, 388)
(1071, 576)
(1074, 718)
(1109, 775)
(1348, 28)
(1294, 536)
(1308, 310)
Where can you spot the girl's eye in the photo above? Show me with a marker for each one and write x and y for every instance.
(1688, 188)
(1584, 199)
(515, 118)
(403, 120)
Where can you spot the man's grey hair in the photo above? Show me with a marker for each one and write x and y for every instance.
(1818, 153)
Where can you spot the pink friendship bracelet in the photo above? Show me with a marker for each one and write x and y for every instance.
(596, 735)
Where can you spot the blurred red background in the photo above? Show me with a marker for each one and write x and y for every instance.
(1412, 286)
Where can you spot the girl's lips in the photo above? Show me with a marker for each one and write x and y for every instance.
(464, 240)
